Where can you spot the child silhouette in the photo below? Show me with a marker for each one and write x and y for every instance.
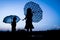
(28, 19)
(14, 24)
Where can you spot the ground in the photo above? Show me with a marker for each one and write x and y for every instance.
(34, 34)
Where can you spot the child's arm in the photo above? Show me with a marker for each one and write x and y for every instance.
(24, 19)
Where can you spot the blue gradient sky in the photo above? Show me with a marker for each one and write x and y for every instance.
(51, 14)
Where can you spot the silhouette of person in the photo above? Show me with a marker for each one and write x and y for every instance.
(14, 24)
(28, 19)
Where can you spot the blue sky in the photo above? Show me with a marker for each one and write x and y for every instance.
(51, 14)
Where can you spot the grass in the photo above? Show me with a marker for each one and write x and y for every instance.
(39, 34)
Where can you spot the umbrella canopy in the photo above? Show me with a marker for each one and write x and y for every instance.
(36, 10)
(9, 19)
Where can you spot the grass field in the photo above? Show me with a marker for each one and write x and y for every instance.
(34, 34)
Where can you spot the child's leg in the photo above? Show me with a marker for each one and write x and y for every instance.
(30, 30)
(27, 30)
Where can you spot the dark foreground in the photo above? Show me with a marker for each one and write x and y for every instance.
(34, 34)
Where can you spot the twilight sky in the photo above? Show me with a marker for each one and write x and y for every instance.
(51, 14)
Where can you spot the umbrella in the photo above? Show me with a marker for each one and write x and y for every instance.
(36, 10)
(9, 19)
